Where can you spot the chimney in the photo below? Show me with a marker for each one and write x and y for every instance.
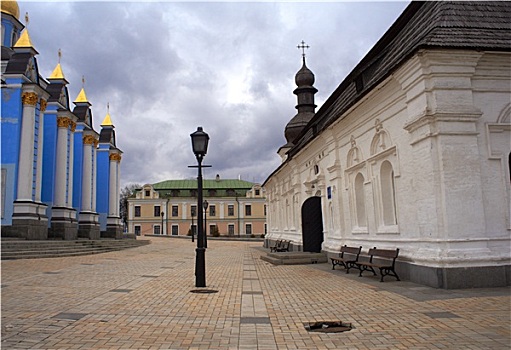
(217, 177)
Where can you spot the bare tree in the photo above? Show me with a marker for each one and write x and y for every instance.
(127, 192)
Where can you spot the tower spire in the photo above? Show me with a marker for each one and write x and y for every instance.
(304, 92)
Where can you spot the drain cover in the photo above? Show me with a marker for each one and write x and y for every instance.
(204, 291)
(328, 326)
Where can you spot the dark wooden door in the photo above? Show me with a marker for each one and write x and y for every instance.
(312, 225)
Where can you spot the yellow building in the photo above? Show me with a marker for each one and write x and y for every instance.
(234, 208)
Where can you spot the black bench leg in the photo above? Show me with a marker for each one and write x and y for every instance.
(365, 268)
(385, 271)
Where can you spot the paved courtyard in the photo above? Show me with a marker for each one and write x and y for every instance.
(141, 298)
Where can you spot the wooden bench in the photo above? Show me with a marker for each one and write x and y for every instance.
(281, 246)
(348, 258)
(278, 243)
(386, 266)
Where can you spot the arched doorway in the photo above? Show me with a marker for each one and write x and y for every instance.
(312, 225)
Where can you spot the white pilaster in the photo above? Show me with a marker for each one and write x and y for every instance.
(70, 164)
(113, 176)
(61, 162)
(88, 141)
(94, 174)
(26, 158)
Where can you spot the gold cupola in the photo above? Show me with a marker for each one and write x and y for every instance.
(57, 73)
(107, 121)
(81, 95)
(10, 7)
(24, 42)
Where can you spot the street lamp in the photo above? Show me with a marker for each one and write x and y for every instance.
(193, 229)
(206, 204)
(200, 147)
(162, 231)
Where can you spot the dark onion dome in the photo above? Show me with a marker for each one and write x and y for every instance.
(304, 77)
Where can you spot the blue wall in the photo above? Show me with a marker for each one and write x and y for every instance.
(10, 145)
(103, 184)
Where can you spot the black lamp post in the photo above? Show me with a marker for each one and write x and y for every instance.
(193, 229)
(162, 231)
(200, 147)
(206, 204)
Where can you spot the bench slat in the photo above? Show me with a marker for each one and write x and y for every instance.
(385, 267)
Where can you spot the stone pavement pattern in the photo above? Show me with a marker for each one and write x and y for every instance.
(140, 299)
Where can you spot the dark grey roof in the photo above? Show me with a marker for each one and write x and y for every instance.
(458, 25)
(81, 112)
(6, 53)
(107, 135)
(18, 63)
(55, 90)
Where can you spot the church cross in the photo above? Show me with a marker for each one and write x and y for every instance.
(303, 47)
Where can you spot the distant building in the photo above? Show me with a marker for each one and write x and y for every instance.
(60, 178)
(411, 151)
(235, 208)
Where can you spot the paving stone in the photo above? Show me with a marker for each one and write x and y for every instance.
(140, 299)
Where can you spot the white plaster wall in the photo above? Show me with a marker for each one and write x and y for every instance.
(449, 161)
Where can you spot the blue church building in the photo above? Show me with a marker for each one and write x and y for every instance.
(59, 177)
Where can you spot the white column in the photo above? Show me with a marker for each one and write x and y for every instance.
(70, 165)
(61, 162)
(94, 174)
(113, 200)
(88, 141)
(26, 158)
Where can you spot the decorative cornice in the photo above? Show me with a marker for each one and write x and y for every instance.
(89, 140)
(115, 157)
(63, 122)
(29, 98)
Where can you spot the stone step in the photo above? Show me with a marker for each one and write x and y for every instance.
(45, 249)
(294, 258)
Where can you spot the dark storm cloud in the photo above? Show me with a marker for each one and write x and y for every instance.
(167, 67)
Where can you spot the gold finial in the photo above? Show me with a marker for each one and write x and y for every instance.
(26, 18)
(81, 95)
(107, 121)
(57, 72)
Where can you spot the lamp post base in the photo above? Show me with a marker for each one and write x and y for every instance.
(200, 267)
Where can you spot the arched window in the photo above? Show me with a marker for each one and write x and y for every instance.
(360, 200)
(388, 194)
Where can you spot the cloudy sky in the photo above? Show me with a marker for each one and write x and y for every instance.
(167, 67)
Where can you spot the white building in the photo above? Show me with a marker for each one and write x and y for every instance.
(411, 151)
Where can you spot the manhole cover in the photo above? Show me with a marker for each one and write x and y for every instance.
(328, 326)
(204, 291)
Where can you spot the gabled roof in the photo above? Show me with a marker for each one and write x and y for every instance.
(435, 24)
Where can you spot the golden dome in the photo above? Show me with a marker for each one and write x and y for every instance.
(11, 7)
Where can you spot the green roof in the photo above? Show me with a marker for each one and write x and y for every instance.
(206, 185)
